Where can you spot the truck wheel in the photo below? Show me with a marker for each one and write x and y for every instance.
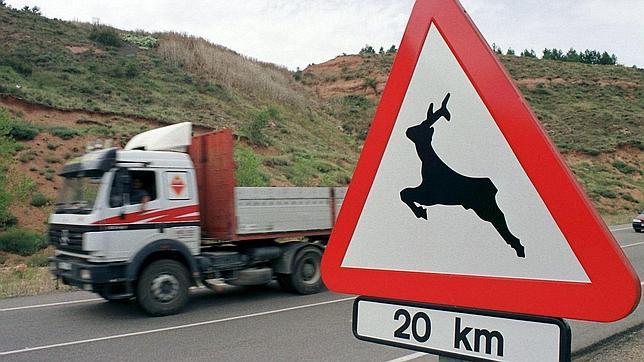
(163, 288)
(306, 277)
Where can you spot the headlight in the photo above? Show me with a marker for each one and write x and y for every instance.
(85, 274)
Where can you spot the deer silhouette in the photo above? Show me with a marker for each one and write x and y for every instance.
(443, 186)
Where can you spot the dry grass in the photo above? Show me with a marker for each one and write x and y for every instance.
(226, 67)
(21, 281)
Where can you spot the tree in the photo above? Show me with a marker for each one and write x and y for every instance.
(367, 50)
(381, 51)
(553, 54)
(510, 51)
(392, 50)
(496, 49)
(607, 59)
(528, 53)
(590, 57)
(3, 3)
(36, 10)
(571, 56)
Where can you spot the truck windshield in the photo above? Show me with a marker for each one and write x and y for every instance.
(78, 195)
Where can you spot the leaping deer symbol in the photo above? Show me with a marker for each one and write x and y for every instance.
(443, 186)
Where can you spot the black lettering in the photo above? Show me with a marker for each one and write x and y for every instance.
(400, 332)
(488, 336)
(460, 336)
(414, 327)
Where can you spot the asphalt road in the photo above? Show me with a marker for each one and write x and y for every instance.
(235, 324)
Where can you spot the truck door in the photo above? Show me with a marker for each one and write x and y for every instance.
(135, 204)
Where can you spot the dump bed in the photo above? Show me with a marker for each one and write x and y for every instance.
(250, 213)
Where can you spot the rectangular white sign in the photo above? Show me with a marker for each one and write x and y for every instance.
(458, 333)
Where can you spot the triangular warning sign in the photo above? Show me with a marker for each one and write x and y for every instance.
(459, 198)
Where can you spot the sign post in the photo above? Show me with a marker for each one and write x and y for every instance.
(460, 199)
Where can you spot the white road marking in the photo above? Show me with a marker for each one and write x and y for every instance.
(634, 244)
(408, 357)
(50, 304)
(183, 326)
(624, 228)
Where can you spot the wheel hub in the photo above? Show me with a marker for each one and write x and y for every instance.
(309, 272)
(165, 287)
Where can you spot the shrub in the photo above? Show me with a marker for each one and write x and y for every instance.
(52, 146)
(21, 241)
(52, 159)
(124, 69)
(27, 156)
(629, 198)
(624, 167)
(3, 258)
(610, 194)
(371, 83)
(254, 130)
(39, 200)
(63, 132)
(37, 260)
(248, 168)
(143, 41)
(106, 36)
(15, 128)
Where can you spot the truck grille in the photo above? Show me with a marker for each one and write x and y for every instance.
(67, 238)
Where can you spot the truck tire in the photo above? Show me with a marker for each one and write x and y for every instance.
(163, 288)
(305, 278)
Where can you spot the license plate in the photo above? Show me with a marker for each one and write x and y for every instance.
(64, 266)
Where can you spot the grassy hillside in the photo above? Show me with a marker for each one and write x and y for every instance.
(593, 113)
(78, 66)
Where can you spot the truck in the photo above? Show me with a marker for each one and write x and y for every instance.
(163, 214)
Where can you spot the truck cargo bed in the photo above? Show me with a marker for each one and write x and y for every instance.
(262, 210)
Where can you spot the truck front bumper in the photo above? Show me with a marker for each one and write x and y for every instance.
(93, 277)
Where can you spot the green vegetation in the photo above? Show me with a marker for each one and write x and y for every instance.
(141, 40)
(165, 77)
(105, 35)
(354, 110)
(586, 108)
(249, 168)
(255, 129)
(63, 133)
(21, 241)
(39, 200)
(37, 260)
(15, 128)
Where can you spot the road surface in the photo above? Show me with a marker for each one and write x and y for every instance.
(235, 324)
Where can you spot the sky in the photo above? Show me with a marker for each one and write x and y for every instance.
(296, 33)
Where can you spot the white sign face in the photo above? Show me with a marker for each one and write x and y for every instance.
(453, 238)
(455, 333)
